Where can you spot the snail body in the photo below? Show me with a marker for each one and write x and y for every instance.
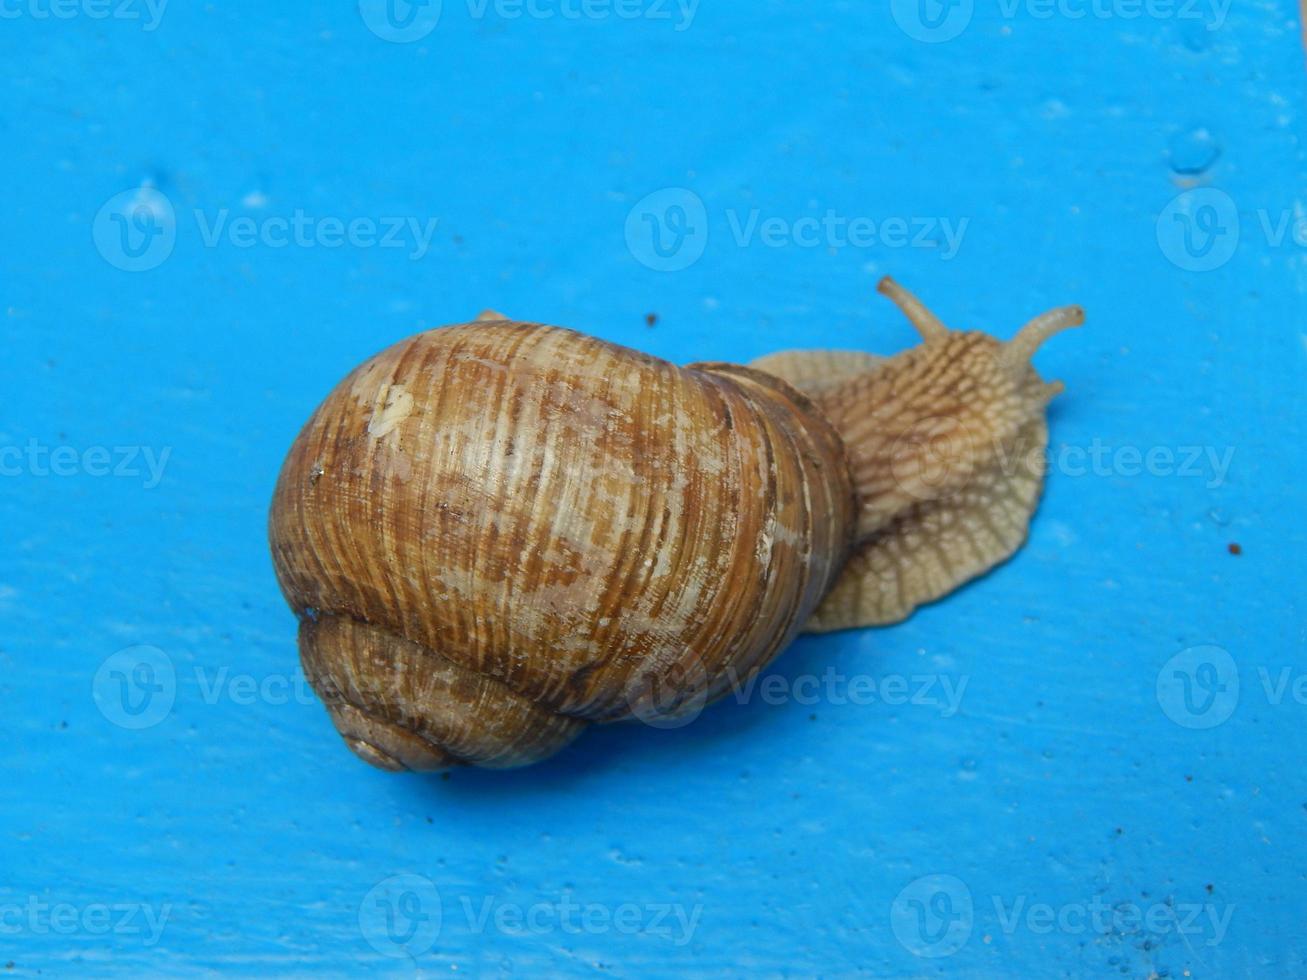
(495, 534)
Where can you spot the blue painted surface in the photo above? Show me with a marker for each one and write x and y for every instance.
(1127, 731)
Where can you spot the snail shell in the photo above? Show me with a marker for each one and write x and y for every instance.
(497, 533)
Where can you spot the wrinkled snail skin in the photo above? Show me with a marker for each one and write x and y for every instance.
(495, 534)
(946, 443)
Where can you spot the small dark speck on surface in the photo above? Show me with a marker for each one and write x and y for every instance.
(1235, 548)
(1209, 888)
(651, 319)
(812, 717)
(1188, 779)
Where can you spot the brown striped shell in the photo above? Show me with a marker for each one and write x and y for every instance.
(497, 533)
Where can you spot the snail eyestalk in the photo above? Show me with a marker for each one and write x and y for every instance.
(1018, 351)
(1052, 389)
(928, 325)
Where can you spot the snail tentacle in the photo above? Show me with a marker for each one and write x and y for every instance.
(928, 325)
(1018, 351)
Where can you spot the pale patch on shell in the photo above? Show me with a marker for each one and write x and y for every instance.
(394, 405)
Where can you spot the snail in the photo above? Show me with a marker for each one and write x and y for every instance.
(496, 534)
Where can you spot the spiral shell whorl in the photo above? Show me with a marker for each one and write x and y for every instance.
(491, 531)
